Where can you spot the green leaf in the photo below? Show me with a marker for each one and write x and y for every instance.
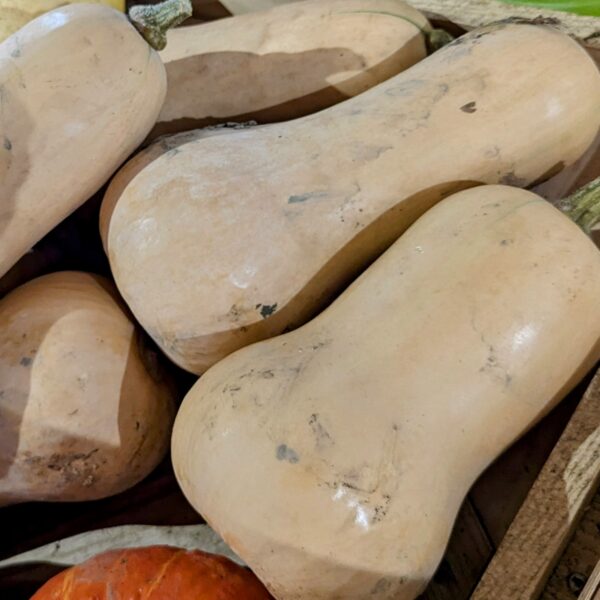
(580, 7)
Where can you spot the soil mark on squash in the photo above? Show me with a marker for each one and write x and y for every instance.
(288, 454)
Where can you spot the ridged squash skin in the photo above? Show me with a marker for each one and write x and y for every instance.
(334, 459)
(227, 240)
(85, 409)
(286, 62)
(80, 90)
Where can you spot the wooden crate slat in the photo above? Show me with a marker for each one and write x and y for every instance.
(549, 516)
(579, 559)
(592, 589)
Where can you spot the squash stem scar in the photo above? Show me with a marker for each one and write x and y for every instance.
(154, 20)
(435, 38)
(583, 207)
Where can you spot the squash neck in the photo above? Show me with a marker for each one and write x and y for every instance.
(583, 207)
(154, 20)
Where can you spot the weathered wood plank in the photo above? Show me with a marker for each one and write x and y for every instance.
(592, 589)
(579, 559)
(547, 519)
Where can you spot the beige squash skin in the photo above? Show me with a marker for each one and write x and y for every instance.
(80, 89)
(136, 165)
(85, 411)
(286, 62)
(334, 459)
(233, 239)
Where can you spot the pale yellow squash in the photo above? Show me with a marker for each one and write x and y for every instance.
(334, 459)
(286, 62)
(231, 239)
(80, 90)
(85, 411)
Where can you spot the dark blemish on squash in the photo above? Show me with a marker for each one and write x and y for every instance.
(1, 393)
(381, 510)
(267, 310)
(551, 172)
(173, 152)
(322, 436)
(492, 152)
(296, 199)
(25, 361)
(234, 313)
(511, 178)
(267, 374)
(73, 413)
(383, 585)
(247, 374)
(507, 379)
(232, 389)
(7, 144)
(16, 53)
(506, 242)
(287, 454)
(137, 425)
(470, 107)
(72, 467)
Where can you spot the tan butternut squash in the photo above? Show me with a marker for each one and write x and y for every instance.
(334, 459)
(286, 62)
(235, 238)
(85, 411)
(80, 90)
(16, 13)
(141, 160)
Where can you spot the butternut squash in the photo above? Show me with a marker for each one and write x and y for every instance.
(16, 13)
(334, 459)
(236, 238)
(85, 411)
(286, 62)
(80, 91)
(141, 160)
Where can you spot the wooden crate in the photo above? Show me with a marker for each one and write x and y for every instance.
(552, 544)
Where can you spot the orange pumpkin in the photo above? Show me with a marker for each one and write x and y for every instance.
(154, 573)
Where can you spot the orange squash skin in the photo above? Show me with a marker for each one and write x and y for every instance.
(154, 573)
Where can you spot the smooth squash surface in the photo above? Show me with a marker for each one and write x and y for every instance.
(334, 459)
(80, 90)
(16, 13)
(154, 573)
(227, 240)
(286, 62)
(84, 409)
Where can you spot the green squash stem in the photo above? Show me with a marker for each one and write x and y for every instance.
(583, 206)
(434, 38)
(154, 20)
